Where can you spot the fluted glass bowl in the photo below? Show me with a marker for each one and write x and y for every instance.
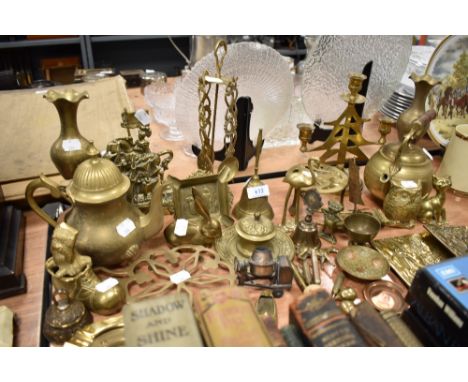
(327, 69)
(263, 75)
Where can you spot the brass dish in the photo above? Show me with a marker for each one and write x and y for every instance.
(226, 246)
(362, 262)
(385, 296)
(105, 333)
(361, 227)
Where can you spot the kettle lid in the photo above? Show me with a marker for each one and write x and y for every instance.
(97, 180)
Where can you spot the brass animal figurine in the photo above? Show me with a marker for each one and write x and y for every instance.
(432, 208)
(332, 221)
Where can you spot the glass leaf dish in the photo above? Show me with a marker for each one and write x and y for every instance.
(263, 75)
(327, 69)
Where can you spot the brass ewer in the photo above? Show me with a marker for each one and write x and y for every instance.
(110, 229)
(70, 148)
(247, 206)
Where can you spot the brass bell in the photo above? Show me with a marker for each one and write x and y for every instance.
(306, 236)
(247, 206)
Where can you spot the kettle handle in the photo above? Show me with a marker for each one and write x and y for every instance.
(56, 192)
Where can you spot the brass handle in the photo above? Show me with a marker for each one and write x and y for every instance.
(219, 56)
(43, 182)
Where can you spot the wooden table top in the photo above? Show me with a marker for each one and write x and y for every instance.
(27, 307)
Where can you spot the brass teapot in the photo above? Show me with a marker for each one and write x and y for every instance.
(110, 228)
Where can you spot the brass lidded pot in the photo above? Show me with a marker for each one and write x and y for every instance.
(110, 228)
(64, 318)
(254, 231)
(262, 263)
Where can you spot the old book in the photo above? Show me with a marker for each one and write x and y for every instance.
(322, 322)
(274, 333)
(227, 318)
(373, 327)
(163, 321)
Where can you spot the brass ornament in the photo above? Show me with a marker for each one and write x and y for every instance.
(406, 254)
(453, 238)
(306, 236)
(362, 262)
(134, 159)
(64, 317)
(110, 229)
(402, 204)
(347, 128)
(332, 221)
(150, 275)
(266, 306)
(105, 333)
(213, 195)
(385, 127)
(361, 227)
(354, 184)
(73, 273)
(432, 208)
(247, 206)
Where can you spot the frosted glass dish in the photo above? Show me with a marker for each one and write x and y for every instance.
(327, 69)
(263, 75)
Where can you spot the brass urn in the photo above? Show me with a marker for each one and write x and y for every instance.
(110, 229)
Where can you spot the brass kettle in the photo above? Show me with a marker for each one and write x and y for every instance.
(110, 228)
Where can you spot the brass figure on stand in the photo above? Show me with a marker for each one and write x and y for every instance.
(332, 221)
(385, 127)
(347, 128)
(247, 205)
(73, 273)
(134, 159)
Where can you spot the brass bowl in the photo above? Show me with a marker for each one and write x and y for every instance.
(361, 227)
(385, 296)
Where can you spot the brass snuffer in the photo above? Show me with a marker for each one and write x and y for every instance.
(261, 266)
(306, 235)
(249, 203)
(64, 317)
(110, 229)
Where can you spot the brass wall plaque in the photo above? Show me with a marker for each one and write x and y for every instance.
(455, 239)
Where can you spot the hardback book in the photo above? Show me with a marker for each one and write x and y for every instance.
(438, 296)
(375, 330)
(322, 322)
(162, 321)
(227, 317)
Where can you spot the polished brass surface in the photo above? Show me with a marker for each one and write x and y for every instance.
(385, 296)
(213, 194)
(73, 273)
(354, 184)
(454, 239)
(346, 294)
(347, 128)
(385, 127)
(332, 221)
(402, 204)
(105, 333)
(70, 148)
(401, 161)
(315, 267)
(110, 229)
(247, 206)
(432, 208)
(229, 244)
(150, 275)
(254, 231)
(134, 159)
(306, 236)
(423, 85)
(209, 227)
(407, 254)
(64, 317)
(338, 284)
(361, 227)
(266, 306)
(362, 262)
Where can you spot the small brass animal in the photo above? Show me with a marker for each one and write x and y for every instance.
(432, 208)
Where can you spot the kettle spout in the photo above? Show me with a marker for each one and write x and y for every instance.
(153, 221)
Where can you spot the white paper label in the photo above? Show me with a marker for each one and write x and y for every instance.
(71, 144)
(105, 285)
(143, 117)
(387, 278)
(125, 227)
(258, 191)
(180, 276)
(427, 153)
(409, 184)
(180, 228)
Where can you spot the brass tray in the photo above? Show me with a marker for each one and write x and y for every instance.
(105, 333)
(406, 254)
(362, 262)
(226, 245)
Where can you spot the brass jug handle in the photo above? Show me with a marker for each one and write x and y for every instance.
(43, 182)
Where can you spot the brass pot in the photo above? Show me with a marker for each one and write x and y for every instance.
(254, 231)
(110, 229)
(413, 162)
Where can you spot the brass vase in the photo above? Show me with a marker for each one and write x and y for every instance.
(423, 85)
(70, 148)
